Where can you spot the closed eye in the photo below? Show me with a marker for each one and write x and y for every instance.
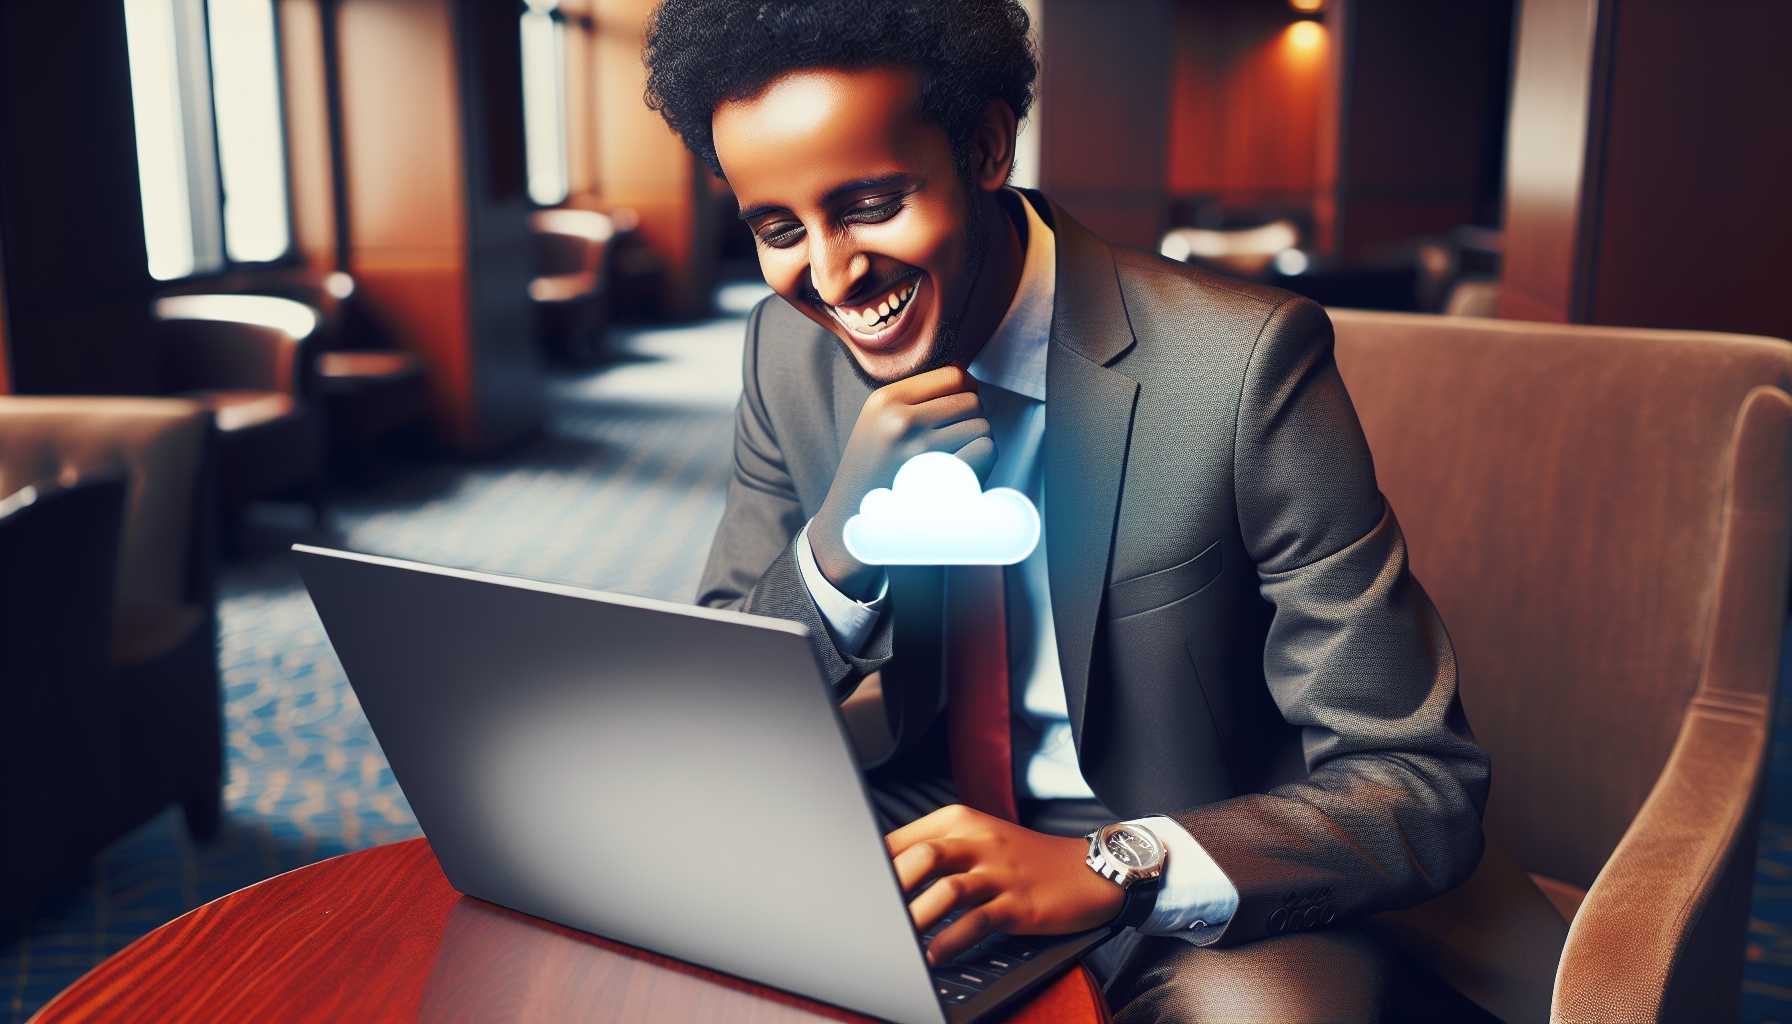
(781, 235)
(874, 211)
(785, 233)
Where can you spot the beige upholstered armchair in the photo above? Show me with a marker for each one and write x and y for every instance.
(1603, 519)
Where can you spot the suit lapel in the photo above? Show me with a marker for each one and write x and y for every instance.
(1088, 424)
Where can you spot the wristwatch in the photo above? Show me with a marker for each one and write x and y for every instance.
(1131, 857)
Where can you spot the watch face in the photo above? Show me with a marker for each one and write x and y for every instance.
(1131, 847)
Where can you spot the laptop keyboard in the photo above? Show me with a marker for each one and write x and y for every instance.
(979, 967)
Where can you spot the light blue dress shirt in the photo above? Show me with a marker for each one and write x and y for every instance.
(1196, 897)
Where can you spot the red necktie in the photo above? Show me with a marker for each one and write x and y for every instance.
(977, 709)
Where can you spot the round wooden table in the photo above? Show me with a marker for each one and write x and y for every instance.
(381, 935)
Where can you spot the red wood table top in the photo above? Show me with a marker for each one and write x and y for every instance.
(380, 934)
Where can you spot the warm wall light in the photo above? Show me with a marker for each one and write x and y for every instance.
(1306, 37)
(1307, 6)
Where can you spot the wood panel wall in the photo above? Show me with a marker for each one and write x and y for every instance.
(1694, 223)
(621, 154)
(1646, 181)
(1252, 107)
(437, 219)
(1380, 121)
(405, 181)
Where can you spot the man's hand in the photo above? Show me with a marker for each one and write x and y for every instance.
(1010, 878)
(936, 411)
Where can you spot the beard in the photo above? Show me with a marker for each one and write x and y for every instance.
(948, 338)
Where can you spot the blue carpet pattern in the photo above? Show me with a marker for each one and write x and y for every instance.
(621, 493)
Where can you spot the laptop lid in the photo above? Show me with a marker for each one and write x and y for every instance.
(673, 777)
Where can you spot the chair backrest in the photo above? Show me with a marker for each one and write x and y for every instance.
(59, 543)
(59, 550)
(236, 342)
(163, 443)
(1563, 492)
(570, 241)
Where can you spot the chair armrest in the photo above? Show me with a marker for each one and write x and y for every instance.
(1660, 934)
(1643, 915)
(556, 288)
(165, 446)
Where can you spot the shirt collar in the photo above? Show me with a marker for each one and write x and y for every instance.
(1014, 357)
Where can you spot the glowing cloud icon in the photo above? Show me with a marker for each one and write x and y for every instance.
(936, 513)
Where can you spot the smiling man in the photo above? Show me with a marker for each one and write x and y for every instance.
(1213, 708)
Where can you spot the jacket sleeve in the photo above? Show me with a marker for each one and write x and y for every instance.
(752, 564)
(1356, 657)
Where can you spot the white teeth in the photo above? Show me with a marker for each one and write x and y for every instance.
(864, 320)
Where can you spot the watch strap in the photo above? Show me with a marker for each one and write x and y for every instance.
(1140, 901)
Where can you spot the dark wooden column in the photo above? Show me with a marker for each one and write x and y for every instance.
(1104, 92)
(77, 283)
(5, 357)
(1418, 81)
(311, 174)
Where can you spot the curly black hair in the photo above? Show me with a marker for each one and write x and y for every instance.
(702, 53)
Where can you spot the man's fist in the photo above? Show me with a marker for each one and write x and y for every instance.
(936, 411)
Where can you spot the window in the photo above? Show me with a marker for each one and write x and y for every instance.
(544, 101)
(211, 159)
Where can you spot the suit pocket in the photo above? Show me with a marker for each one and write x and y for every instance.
(1154, 590)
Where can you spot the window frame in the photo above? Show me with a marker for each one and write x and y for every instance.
(562, 23)
(227, 267)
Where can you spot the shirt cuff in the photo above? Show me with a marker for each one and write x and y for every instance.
(1195, 898)
(849, 622)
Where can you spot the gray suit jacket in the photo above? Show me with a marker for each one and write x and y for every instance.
(1243, 646)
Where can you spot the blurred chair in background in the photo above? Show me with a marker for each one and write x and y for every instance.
(252, 360)
(1416, 275)
(108, 666)
(1244, 252)
(1604, 520)
(571, 290)
(58, 747)
(1455, 268)
(1474, 296)
(369, 389)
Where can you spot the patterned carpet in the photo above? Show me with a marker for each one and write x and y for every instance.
(622, 493)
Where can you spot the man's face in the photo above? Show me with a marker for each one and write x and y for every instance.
(860, 216)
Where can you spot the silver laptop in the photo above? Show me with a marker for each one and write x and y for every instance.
(672, 777)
